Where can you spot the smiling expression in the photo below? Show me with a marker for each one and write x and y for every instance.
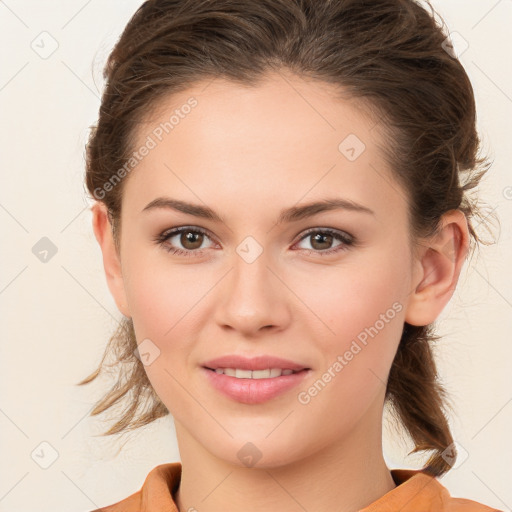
(293, 241)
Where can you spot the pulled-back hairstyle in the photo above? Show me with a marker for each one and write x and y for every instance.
(389, 56)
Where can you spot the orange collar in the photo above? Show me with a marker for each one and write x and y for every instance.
(416, 491)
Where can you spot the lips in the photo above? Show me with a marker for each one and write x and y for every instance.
(252, 391)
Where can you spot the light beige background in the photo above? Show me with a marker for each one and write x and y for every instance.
(57, 315)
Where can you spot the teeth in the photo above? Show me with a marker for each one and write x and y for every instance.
(261, 374)
(243, 374)
(253, 374)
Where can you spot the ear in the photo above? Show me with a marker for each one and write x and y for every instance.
(111, 259)
(437, 268)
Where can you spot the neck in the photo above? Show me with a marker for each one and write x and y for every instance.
(346, 477)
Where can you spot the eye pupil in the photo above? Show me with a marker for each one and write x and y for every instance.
(320, 236)
(190, 237)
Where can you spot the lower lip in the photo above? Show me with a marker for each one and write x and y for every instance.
(254, 391)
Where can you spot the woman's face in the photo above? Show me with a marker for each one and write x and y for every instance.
(326, 289)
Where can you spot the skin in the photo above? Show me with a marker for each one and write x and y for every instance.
(247, 153)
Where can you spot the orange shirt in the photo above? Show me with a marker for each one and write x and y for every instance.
(415, 492)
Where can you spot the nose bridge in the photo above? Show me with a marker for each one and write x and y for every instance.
(251, 272)
(252, 298)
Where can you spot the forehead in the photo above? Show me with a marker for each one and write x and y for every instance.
(281, 141)
(222, 110)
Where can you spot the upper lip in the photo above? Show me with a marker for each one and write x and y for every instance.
(261, 362)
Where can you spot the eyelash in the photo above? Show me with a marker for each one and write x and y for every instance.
(346, 239)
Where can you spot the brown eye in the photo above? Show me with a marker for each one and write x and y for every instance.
(321, 241)
(191, 240)
(183, 241)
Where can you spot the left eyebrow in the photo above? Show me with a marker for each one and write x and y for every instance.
(291, 214)
(308, 210)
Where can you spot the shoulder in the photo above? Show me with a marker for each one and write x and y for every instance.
(156, 492)
(130, 504)
(463, 505)
(417, 490)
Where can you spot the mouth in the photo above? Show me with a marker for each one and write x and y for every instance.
(254, 386)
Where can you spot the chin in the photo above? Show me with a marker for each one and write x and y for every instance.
(257, 451)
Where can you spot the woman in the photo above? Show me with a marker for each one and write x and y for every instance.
(281, 204)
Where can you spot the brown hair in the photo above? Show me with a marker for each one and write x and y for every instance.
(389, 55)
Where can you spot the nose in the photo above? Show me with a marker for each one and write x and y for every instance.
(252, 299)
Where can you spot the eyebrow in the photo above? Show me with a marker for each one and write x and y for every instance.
(291, 214)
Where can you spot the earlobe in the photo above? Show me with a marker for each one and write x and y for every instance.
(111, 259)
(439, 265)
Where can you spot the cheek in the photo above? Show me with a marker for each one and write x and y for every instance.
(165, 302)
(351, 299)
(366, 318)
(161, 301)
(160, 295)
(362, 313)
